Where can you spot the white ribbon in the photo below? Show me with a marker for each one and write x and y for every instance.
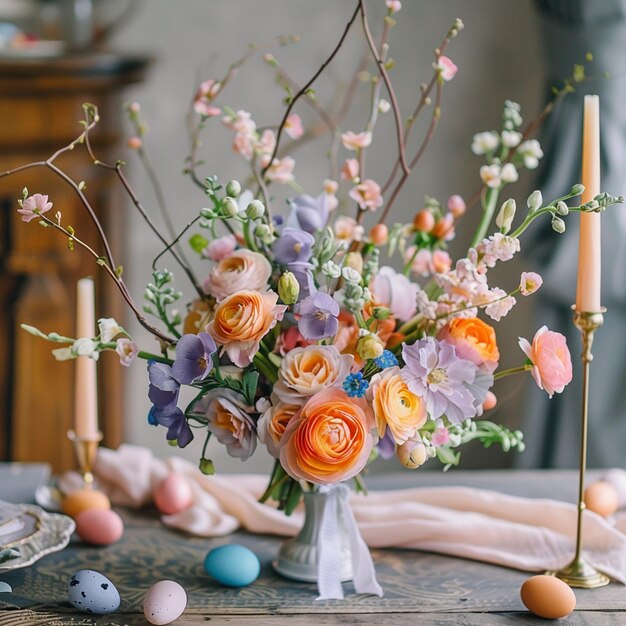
(329, 548)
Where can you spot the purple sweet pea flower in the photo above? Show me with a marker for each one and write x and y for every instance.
(449, 385)
(304, 276)
(386, 445)
(293, 246)
(308, 213)
(193, 358)
(164, 388)
(318, 316)
(177, 427)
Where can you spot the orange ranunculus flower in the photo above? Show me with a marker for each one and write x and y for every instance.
(197, 316)
(329, 440)
(473, 340)
(394, 406)
(242, 320)
(273, 423)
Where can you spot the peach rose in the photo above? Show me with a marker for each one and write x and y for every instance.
(394, 406)
(242, 320)
(329, 441)
(473, 340)
(552, 362)
(243, 269)
(273, 423)
(307, 371)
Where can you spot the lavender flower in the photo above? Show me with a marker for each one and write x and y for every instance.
(308, 213)
(193, 358)
(386, 446)
(449, 385)
(164, 388)
(177, 427)
(293, 246)
(318, 316)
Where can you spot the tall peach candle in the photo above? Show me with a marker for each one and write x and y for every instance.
(85, 394)
(589, 245)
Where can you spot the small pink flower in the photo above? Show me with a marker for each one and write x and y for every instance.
(266, 144)
(206, 93)
(552, 362)
(330, 189)
(242, 122)
(242, 144)
(293, 126)
(356, 141)
(529, 283)
(490, 175)
(396, 291)
(350, 169)
(220, 248)
(500, 304)
(34, 206)
(393, 5)
(456, 205)
(447, 68)
(367, 195)
(127, 350)
(440, 437)
(441, 262)
(346, 228)
(281, 170)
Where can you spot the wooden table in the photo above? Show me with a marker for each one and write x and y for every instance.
(421, 589)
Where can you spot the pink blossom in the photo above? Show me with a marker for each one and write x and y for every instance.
(206, 93)
(330, 189)
(220, 248)
(356, 141)
(242, 122)
(127, 350)
(350, 169)
(281, 170)
(346, 228)
(34, 206)
(490, 175)
(447, 69)
(456, 205)
(396, 291)
(293, 126)
(552, 362)
(500, 304)
(440, 437)
(441, 262)
(497, 247)
(265, 145)
(367, 195)
(393, 5)
(529, 283)
(242, 144)
(242, 269)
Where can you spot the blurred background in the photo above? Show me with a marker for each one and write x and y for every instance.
(155, 54)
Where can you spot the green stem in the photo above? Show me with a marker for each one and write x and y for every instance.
(488, 211)
(513, 370)
(265, 366)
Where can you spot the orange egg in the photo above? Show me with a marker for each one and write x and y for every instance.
(173, 494)
(548, 597)
(83, 500)
(99, 527)
(601, 498)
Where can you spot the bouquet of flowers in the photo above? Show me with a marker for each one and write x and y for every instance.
(330, 343)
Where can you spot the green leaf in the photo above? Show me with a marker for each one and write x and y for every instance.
(198, 243)
(250, 381)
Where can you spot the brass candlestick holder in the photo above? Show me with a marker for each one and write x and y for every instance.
(579, 573)
(86, 449)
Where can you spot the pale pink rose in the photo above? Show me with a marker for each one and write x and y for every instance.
(293, 126)
(127, 350)
(356, 141)
(552, 362)
(229, 420)
(393, 5)
(350, 169)
(219, 249)
(367, 195)
(529, 283)
(446, 68)
(34, 203)
(456, 205)
(306, 371)
(396, 291)
(281, 170)
(346, 228)
(242, 269)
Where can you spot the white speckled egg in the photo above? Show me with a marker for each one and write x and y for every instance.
(91, 592)
(164, 602)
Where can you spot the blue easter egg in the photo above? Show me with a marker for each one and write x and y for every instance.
(232, 565)
(91, 592)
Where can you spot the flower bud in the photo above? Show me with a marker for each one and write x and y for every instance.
(379, 234)
(230, 207)
(233, 189)
(355, 261)
(381, 313)
(370, 346)
(351, 275)
(412, 454)
(558, 225)
(288, 288)
(264, 233)
(562, 208)
(207, 467)
(255, 210)
(505, 217)
(331, 269)
(535, 200)
(577, 190)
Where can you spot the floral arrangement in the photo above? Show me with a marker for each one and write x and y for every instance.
(329, 343)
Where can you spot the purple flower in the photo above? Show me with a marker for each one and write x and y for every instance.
(318, 316)
(449, 385)
(293, 246)
(164, 388)
(308, 213)
(386, 446)
(177, 427)
(304, 276)
(193, 358)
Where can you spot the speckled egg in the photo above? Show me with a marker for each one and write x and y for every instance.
(83, 500)
(91, 592)
(173, 494)
(232, 565)
(99, 527)
(164, 602)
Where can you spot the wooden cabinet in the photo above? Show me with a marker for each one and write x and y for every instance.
(40, 111)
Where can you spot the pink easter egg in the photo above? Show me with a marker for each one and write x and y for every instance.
(173, 494)
(99, 527)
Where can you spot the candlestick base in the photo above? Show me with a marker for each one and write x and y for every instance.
(86, 449)
(581, 575)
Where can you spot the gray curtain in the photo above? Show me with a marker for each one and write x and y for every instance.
(570, 29)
